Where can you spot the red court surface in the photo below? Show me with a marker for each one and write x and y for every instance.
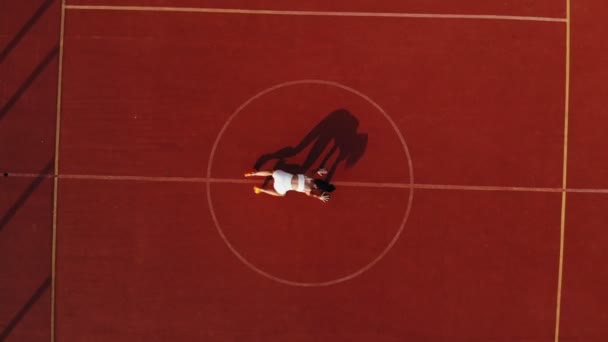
(125, 136)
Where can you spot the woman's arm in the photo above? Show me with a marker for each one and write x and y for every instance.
(318, 172)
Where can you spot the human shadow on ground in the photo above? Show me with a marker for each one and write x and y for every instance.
(337, 131)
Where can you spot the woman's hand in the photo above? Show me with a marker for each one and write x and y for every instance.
(324, 197)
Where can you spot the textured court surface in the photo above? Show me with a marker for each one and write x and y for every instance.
(124, 137)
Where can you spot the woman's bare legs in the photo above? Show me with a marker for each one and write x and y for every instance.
(268, 192)
(259, 174)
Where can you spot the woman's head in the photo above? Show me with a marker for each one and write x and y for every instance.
(323, 185)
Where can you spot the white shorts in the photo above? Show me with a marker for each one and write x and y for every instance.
(282, 181)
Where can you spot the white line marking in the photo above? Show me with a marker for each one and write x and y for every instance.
(56, 179)
(562, 230)
(313, 13)
(153, 179)
(339, 279)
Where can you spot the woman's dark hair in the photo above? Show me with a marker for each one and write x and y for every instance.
(323, 185)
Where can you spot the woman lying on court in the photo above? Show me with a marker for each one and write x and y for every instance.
(284, 181)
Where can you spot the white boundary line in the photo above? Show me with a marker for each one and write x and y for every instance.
(562, 230)
(56, 171)
(313, 13)
(153, 179)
